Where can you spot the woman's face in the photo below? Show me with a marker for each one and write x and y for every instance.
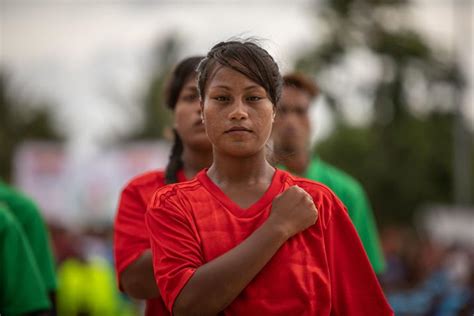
(187, 117)
(237, 112)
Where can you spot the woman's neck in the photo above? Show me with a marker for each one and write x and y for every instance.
(240, 170)
(195, 160)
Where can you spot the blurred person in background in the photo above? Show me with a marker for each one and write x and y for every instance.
(86, 281)
(22, 290)
(437, 278)
(394, 240)
(291, 140)
(190, 153)
(29, 217)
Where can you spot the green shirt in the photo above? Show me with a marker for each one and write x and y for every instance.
(28, 216)
(22, 289)
(351, 193)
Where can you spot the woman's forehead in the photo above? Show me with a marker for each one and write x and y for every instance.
(227, 78)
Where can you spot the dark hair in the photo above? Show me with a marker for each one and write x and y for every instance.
(302, 82)
(178, 77)
(247, 58)
(185, 70)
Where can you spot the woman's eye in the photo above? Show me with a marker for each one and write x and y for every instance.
(254, 98)
(221, 98)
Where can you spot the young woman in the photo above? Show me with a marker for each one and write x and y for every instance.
(191, 152)
(243, 238)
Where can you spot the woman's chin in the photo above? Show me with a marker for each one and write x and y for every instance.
(240, 150)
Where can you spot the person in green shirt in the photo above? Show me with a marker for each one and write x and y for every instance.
(22, 290)
(28, 216)
(291, 141)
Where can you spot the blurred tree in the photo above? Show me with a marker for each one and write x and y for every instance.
(402, 167)
(20, 121)
(155, 115)
(403, 155)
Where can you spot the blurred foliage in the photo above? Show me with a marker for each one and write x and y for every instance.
(20, 121)
(156, 116)
(403, 166)
(403, 156)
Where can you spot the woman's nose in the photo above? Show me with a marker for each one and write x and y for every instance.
(239, 111)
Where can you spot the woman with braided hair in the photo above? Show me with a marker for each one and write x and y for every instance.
(244, 238)
(190, 153)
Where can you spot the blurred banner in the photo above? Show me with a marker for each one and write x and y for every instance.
(74, 189)
(448, 225)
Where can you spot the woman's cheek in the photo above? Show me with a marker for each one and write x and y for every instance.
(211, 131)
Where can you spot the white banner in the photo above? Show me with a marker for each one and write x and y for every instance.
(75, 190)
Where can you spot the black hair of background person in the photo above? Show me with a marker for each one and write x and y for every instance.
(180, 75)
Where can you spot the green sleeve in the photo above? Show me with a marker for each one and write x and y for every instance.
(364, 222)
(22, 289)
(29, 217)
(38, 237)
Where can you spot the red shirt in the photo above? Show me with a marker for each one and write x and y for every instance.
(322, 271)
(130, 233)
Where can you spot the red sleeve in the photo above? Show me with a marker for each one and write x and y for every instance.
(175, 244)
(355, 289)
(130, 234)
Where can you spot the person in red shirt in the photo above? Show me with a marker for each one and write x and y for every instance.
(244, 238)
(190, 153)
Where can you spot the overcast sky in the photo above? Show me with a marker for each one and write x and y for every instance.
(80, 54)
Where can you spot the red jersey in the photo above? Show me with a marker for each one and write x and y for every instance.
(130, 233)
(321, 271)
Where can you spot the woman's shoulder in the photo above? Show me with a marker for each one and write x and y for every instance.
(151, 177)
(177, 191)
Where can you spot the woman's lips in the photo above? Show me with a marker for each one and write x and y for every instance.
(238, 129)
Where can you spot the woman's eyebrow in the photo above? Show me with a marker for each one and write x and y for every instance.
(220, 87)
(254, 86)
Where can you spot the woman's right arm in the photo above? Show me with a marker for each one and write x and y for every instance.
(138, 280)
(210, 287)
(133, 260)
